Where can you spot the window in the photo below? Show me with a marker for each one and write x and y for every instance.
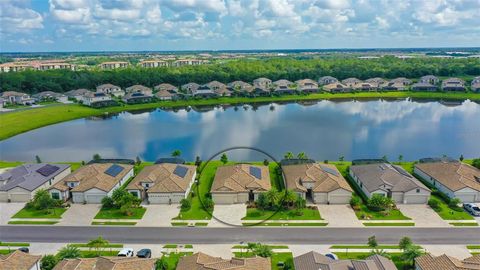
(134, 193)
(56, 195)
(147, 185)
(418, 190)
(50, 182)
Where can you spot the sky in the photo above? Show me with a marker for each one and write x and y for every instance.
(162, 25)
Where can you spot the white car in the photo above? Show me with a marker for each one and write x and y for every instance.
(126, 252)
(473, 209)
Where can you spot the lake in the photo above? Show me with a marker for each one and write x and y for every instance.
(323, 130)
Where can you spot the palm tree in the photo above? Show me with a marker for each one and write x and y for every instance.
(400, 158)
(302, 155)
(288, 155)
(68, 252)
(97, 244)
(176, 153)
(412, 252)
(272, 197)
(289, 197)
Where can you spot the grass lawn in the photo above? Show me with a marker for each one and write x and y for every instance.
(27, 222)
(201, 224)
(275, 259)
(32, 213)
(14, 244)
(463, 224)
(392, 224)
(172, 259)
(364, 247)
(395, 257)
(6, 251)
(280, 224)
(93, 253)
(447, 213)
(9, 164)
(473, 246)
(175, 246)
(179, 223)
(256, 214)
(117, 214)
(364, 212)
(120, 223)
(84, 245)
(271, 246)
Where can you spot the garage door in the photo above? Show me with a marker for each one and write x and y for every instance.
(20, 197)
(224, 198)
(412, 199)
(466, 198)
(94, 198)
(340, 199)
(158, 198)
(3, 197)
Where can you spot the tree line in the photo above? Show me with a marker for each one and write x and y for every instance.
(292, 69)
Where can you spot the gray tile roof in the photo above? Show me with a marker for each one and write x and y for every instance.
(26, 176)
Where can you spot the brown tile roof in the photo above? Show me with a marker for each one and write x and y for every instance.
(139, 88)
(164, 178)
(335, 86)
(93, 176)
(444, 262)
(165, 86)
(165, 93)
(106, 263)
(237, 178)
(453, 175)
(315, 261)
(323, 180)
(18, 260)
(202, 261)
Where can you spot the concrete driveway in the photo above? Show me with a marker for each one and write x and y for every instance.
(459, 252)
(7, 210)
(231, 213)
(422, 215)
(159, 215)
(79, 215)
(339, 215)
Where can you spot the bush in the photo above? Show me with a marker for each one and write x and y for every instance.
(476, 163)
(453, 204)
(355, 201)
(48, 262)
(185, 205)
(380, 203)
(434, 204)
(208, 204)
(108, 203)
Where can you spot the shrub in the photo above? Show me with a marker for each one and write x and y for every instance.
(48, 262)
(476, 163)
(380, 203)
(108, 203)
(453, 204)
(185, 205)
(434, 204)
(262, 201)
(68, 252)
(372, 241)
(355, 201)
(208, 204)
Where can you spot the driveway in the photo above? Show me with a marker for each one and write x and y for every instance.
(221, 250)
(79, 215)
(45, 248)
(7, 210)
(232, 213)
(159, 215)
(298, 250)
(459, 252)
(341, 215)
(422, 215)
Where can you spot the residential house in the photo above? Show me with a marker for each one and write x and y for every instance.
(166, 86)
(376, 82)
(327, 80)
(431, 79)
(394, 86)
(92, 182)
(3, 102)
(77, 94)
(95, 98)
(163, 183)
(204, 91)
(110, 89)
(20, 184)
(153, 63)
(337, 88)
(113, 65)
(14, 66)
(138, 94)
(188, 62)
(307, 86)
(424, 86)
(19, 260)
(260, 92)
(54, 65)
(320, 183)
(167, 95)
(453, 84)
(475, 84)
(430, 262)
(316, 261)
(137, 88)
(239, 183)
(391, 181)
(241, 87)
(455, 179)
(202, 261)
(107, 263)
(284, 87)
(50, 96)
(364, 86)
(402, 80)
(14, 97)
(350, 82)
(219, 88)
(190, 88)
(262, 83)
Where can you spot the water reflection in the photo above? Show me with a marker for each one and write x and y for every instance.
(322, 129)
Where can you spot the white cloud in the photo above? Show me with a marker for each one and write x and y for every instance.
(17, 16)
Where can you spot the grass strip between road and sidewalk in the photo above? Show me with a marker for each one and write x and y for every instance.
(114, 223)
(30, 222)
(464, 224)
(389, 224)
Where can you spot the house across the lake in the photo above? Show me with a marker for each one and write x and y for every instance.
(92, 182)
(20, 184)
(77, 94)
(110, 89)
(239, 183)
(327, 80)
(453, 84)
(163, 183)
(14, 97)
(391, 181)
(337, 88)
(50, 96)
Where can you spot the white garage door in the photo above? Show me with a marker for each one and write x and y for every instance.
(3, 197)
(224, 198)
(20, 197)
(94, 198)
(466, 198)
(340, 199)
(416, 199)
(158, 198)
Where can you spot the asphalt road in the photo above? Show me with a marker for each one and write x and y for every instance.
(153, 235)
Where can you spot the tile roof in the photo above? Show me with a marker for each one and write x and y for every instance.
(320, 174)
(444, 262)
(164, 178)
(238, 178)
(166, 86)
(106, 263)
(315, 261)
(453, 175)
(202, 261)
(27, 176)
(93, 176)
(18, 260)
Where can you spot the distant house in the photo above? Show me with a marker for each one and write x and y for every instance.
(91, 98)
(327, 80)
(307, 86)
(350, 82)
(163, 183)
(316, 261)
(430, 262)
(260, 92)
(190, 88)
(218, 88)
(113, 65)
(138, 94)
(241, 87)
(166, 95)
(14, 97)
(165, 86)
(77, 94)
(50, 96)
(455, 179)
(364, 86)
(137, 88)
(262, 83)
(320, 183)
(402, 80)
(394, 86)
(18, 260)
(337, 88)
(110, 89)
(424, 86)
(106, 263)
(92, 182)
(475, 84)
(391, 181)
(239, 183)
(204, 91)
(3, 102)
(21, 183)
(284, 87)
(153, 63)
(202, 261)
(188, 62)
(377, 82)
(431, 79)
(453, 84)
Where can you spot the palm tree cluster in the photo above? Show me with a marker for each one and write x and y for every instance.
(276, 200)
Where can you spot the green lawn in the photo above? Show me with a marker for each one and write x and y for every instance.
(9, 164)
(463, 224)
(179, 224)
(393, 224)
(119, 223)
(364, 213)
(395, 257)
(364, 247)
(275, 259)
(32, 213)
(93, 253)
(473, 246)
(447, 213)
(27, 222)
(175, 246)
(280, 224)
(307, 214)
(84, 245)
(117, 214)
(6, 251)
(173, 258)
(14, 244)
(201, 224)
(271, 246)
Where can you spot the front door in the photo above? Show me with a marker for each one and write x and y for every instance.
(251, 196)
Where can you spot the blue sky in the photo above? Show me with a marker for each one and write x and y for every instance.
(93, 25)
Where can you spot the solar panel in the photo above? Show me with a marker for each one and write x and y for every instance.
(329, 170)
(137, 94)
(255, 171)
(47, 170)
(114, 170)
(180, 171)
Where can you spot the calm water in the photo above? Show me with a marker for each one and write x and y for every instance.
(324, 130)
